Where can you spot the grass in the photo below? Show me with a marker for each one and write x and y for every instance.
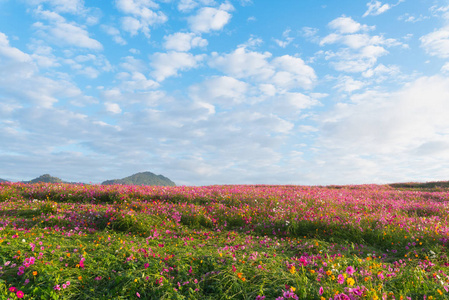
(63, 241)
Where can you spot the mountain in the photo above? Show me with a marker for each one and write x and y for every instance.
(143, 178)
(45, 178)
(3, 180)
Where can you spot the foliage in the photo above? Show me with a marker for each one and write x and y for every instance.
(67, 241)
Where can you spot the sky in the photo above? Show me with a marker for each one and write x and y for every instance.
(307, 92)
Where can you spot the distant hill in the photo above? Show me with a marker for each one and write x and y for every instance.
(143, 178)
(3, 180)
(45, 178)
(421, 185)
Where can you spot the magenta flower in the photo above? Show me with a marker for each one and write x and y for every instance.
(19, 294)
(321, 291)
(350, 270)
(341, 279)
(13, 289)
(146, 265)
(138, 295)
(260, 297)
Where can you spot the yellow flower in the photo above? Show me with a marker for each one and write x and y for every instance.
(350, 281)
(293, 270)
(292, 289)
(34, 273)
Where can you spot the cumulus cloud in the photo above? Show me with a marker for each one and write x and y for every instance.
(225, 91)
(376, 8)
(112, 108)
(62, 33)
(115, 33)
(436, 43)
(242, 63)
(62, 6)
(210, 18)
(142, 15)
(392, 122)
(183, 41)
(348, 25)
(6, 51)
(168, 64)
(286, 72)
(287, 39)
(360, 50)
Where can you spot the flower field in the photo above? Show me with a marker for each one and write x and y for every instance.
(67, 241)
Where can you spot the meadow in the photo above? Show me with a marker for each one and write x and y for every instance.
(67, 241)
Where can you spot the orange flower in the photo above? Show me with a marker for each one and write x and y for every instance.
(239, 275)
(34, 273)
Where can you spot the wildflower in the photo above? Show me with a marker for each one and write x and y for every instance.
(57, 287)
(260, 297)
(34, 273)
(19, 294)
(321, 291)
(146, 265)
(341, 279)
(350, 270)
(350, 281)
(13, 289)
(292, 269)
(138, 295)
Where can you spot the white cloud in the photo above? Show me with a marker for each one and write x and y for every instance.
(242, 63)
(445, 68)
(286, 72)
(115, 33)
(224, 90)
(292, 72)
(168, 64)
(112, 108)
(10, 52)
(62, 33)
(391, 123)
(181, 41)
(348, 84)
(286, 41)
(345, 25)
(137, 81)
(209, 18)
(291, 104)
(62, 6)
(132, 64)
(436, 43)
(360, 51)
(143, 15)
(376, 8)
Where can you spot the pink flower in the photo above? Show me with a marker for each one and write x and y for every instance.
(146, 265)
(13, 289)
(138, 295)
(341, 279)
(82, 262)
(19, 294)
(321, 291)
(350, 270)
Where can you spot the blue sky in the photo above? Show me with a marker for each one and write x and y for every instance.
(225, 92)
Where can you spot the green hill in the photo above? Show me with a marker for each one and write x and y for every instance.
(144, 178)
(421, 185)
(45, 178)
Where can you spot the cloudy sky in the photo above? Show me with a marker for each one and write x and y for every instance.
(309, 92)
